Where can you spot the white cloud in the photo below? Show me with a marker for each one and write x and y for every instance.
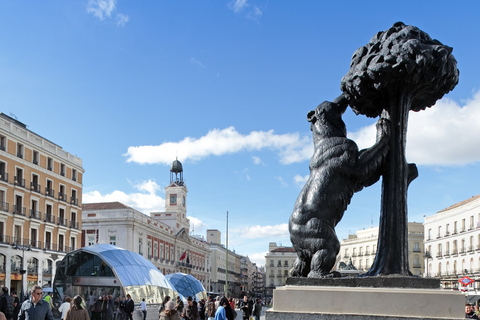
(238, 5)
(253, 232)
(198, 225)
(122, 19)
(282, 182)
(145, 201)
(196, 62)
(445, 134)
(258, 258)
(101, 8)
(290, 147)
(299, 180)
(257, 160)
(255, 14)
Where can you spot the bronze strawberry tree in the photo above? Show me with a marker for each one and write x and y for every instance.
(399, 70)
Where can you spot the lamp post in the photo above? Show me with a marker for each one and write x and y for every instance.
(23, 271)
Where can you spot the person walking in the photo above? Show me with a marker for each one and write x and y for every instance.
(76, 311)
(211, 308)
(257, 309)
(245, 308)
(7, 304)
(143, 306)
(191, 311)
(35, 308)
(201, 309)
(170, 312)
(64, 307)
(129, 307)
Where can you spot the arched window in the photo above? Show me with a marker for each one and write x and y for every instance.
(32, 266)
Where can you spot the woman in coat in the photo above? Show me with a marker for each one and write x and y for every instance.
(76, 311)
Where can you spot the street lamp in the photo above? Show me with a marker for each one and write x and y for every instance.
(23, 270)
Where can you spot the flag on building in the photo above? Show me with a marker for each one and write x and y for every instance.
(183, 256)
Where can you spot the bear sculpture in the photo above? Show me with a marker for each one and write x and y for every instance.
(337, 171)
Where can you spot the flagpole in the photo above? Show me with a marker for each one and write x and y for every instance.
(226, 261)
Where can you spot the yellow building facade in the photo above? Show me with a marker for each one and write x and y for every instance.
(40, 206)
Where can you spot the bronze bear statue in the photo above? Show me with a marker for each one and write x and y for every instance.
(337, 171)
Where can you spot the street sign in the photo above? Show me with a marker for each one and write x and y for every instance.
(465, 281)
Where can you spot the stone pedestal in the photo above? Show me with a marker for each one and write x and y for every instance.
(365, 303)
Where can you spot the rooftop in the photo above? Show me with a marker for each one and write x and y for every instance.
(105, 206)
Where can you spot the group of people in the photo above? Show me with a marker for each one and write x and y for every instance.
(9, 304)
(108, 308)
(471, 312)
(220, 308)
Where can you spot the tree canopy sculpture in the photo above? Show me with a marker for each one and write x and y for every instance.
(399, 70)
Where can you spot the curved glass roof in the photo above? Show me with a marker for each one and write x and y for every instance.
(187, 285)
(131, 268)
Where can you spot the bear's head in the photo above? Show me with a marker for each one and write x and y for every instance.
(326, 120)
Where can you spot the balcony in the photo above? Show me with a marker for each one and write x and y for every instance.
(74, 201)
(417, 250)
(49, 192)
(4, 206)
(4, 176)
(34, 214)
(74, 224)
(62, 197)
(62, 222)
(20, 154)
(35, 187)
(49, 218)
(471, 249)
(19, 182)
(35, 244)
(455, 252)
(20, 241)
(4, 239)
(19, 210)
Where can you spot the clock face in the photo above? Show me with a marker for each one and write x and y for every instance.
(173, 199)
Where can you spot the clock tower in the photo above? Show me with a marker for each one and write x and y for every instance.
(176, 196)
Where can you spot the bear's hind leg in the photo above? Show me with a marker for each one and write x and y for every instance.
(300, 267)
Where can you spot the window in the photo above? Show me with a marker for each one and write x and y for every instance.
(429, 234)
(33, 238)
(50, 164)
(455, 227)
(140, 246)
(447, 229)
(18, 207)
(439, 232)
(3, 173)
(49, 189)
(20, 150)
(3, 143)
(61, 217)
(48, 240)
(72, 243)
(73, 199)
(416, 247)
(463, 224)
(91, 240)
(19, 180)
(60, 242)
(34, 186)
(35, 157)
(162, 253)
(155, 250)
(113, 240)
(471, 222)
(74, 175)
(61, 194)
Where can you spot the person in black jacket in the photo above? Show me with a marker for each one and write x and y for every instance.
(129, 307)
(7, 304)
(243, 305)
(201, 309)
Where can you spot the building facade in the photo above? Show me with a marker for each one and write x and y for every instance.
(278, 262)
(221, 281)
(163, 237)
(40, 206)
(360, 248)
(452, 243)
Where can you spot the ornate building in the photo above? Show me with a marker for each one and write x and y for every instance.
(278, 262)
(40, 205)
(360, 248)
(162, 237)
(452, 243)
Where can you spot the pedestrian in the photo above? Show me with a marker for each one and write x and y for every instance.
(257, 309)
(129, 307)
(245, 308)
(179, 305)
(164, 303)
(170, 312)
(91, 303)
(211, 308)
(16, 304)
(97, 309)
(121, 311)
(191, 311)
(64, 307)
(143, 306)
(201, 309)
(7, 304)
(469, 313)
(35, 308)
(49, 299)
(76, 311)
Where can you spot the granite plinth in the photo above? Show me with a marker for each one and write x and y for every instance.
(374, 282)
(365, 303)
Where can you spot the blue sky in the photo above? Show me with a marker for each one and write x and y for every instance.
(226, 85)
